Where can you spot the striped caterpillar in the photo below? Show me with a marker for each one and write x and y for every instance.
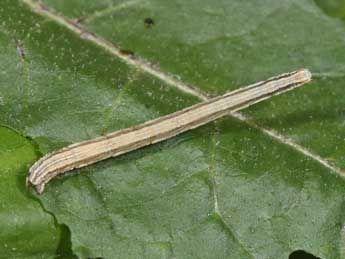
(126, 140)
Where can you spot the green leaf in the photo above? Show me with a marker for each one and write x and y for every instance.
(27, 231)
(221, 45)
(225, 190)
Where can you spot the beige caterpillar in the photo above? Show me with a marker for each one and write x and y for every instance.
(122, 141)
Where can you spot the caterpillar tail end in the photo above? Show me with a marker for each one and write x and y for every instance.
(39, 188)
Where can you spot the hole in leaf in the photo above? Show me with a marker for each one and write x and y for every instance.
(149, 22)
(300, 254)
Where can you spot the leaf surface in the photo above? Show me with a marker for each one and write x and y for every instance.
(221, 45)
(226, 190)
(27, 231)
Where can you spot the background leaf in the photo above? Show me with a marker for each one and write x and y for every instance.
(225, 190)
(27, 231)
